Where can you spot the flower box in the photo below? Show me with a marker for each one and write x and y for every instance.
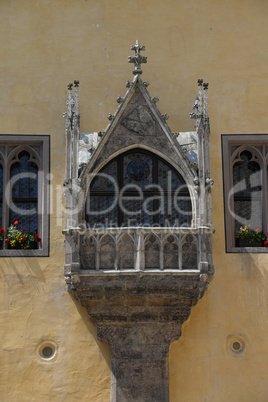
(16, 239)
(247, 243)
(32, 246)
(248, 237)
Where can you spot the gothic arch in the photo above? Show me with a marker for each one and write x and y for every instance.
(166, 197)
(87, 177)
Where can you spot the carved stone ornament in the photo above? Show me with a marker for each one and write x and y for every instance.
(140, 121)
(138, 59)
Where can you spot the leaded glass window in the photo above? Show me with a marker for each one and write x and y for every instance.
(24, 208)
(138, 188)
(247, 191)
(245, 179)
(24, 192)
(1, 194)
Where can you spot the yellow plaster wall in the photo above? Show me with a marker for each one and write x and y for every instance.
(44, 45)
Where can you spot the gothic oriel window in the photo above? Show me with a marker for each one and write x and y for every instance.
(24, 192)
(245, 185)
(138, 188)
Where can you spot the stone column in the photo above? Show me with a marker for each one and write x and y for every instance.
(139, 314)
(139, 353)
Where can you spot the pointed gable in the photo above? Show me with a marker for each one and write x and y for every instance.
(138, 123)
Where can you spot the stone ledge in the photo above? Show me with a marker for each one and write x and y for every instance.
(139, 297)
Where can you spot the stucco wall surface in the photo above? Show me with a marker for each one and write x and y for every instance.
(44, 45)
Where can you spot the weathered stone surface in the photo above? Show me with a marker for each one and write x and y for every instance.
(140, 122)
(138, 315)
(139, 360)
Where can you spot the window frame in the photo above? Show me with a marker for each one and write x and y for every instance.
(239, 140)
(20, 143)
(119, 160)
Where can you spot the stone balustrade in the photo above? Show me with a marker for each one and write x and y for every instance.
(140, 248)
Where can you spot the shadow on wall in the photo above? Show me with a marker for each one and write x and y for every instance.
(11, 268)
(103, 347)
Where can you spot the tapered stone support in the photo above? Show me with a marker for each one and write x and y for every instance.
(138, 315)
(139, 356)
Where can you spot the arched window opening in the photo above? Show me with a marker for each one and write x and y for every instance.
(126, 253)
(24, 193)
(107, 252)
(152, 252)
(88, 253)
(189, 252)
(171, 253)
(138, 188)
(1, 195)
(247, 183)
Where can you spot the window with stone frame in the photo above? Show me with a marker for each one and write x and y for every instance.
(24, 195)
(245, 181)
(138, 188)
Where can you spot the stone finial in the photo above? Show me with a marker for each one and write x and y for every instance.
(205, 86)
(138, 59)
(70, 101)
(200, 105)
(76, 100)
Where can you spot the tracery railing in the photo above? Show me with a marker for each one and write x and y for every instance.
(140, 248)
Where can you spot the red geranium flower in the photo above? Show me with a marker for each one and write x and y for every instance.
(7, 240)
(38, 239)
(16, 222)
(23, 229)
(36, 235)
(23, 238)
(2, 230)
(266, 243)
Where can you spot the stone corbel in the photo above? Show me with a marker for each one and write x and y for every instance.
(209, 183)
(72, 281)
(196, 185)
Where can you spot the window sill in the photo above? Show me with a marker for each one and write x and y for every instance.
(248, 250)
(41, 252)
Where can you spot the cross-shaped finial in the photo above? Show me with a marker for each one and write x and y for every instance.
(138, 58)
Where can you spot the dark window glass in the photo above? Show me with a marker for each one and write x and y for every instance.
(24, 176)
(138, 189)
(247, 192)
(1, 195)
